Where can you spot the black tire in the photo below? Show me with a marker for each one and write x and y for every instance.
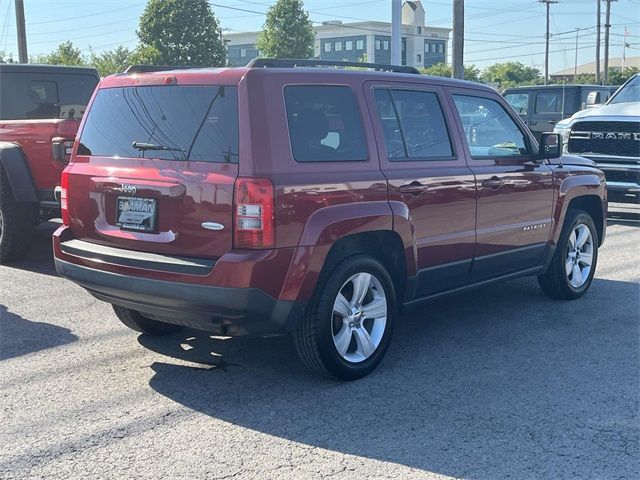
(17, 223)
(136, 321)
(313, 335)
(555, 282)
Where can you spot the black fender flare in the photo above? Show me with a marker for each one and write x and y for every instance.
(14, 165)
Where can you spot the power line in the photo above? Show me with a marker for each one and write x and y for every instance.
(5, 31)
(120, 22)
(58, 20)
(528, 54)
(353, 27)
(528, 44)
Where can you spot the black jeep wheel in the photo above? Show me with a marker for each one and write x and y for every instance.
(17, 223)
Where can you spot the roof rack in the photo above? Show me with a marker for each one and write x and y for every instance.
(156, 68)
(292, 63)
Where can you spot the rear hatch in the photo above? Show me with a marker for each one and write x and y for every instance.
(154, 169)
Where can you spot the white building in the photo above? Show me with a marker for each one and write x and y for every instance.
(371, 41)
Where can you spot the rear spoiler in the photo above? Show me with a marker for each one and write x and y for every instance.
(156, 68)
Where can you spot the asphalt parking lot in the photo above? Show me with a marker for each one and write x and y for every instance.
(499, 383)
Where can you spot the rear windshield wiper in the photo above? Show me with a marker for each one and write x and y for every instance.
(154, 146)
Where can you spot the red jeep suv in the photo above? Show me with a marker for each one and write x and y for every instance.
(317, 201)
(40, 111)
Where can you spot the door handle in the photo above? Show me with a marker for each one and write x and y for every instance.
(553, 122)
(533, 122)
(493, 182)
(413, 188)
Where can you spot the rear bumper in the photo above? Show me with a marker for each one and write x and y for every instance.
(183, 291)
(227, 311)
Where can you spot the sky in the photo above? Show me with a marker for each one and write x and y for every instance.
(495, 31)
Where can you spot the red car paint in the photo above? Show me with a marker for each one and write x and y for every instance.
(475, 220)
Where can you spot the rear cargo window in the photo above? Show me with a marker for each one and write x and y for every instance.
(164, 122)
(31, 96)
(324, 124)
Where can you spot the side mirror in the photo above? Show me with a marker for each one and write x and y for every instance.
(550, 145)
(593, 98)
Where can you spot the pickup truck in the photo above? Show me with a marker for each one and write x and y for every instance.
(610, 136)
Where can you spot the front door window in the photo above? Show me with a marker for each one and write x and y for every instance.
(489, 129)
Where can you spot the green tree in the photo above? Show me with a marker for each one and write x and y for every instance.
(111, 61)
(65, 54)
(471, 72)
(287, 31)
(510, 74)
(618, 77)
(181, 32)
(585, 79)
(146, 55)
(4, 58)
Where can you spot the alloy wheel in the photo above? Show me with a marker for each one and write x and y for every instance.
(359, 317)
(579, 255)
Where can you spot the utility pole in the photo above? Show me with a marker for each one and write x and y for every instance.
(22, 32)
(607, 27)
(598, 15)
(547, 37)
(457, 55)
(396, 26)
(575, 68)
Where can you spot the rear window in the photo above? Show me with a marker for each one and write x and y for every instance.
(324, 124)
(164, 122)
(28, 96)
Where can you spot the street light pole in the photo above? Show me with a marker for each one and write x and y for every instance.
(598, 18)
(396, 25)
(607, 27)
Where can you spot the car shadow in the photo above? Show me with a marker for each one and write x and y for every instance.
(39, 258)
(500, 382)
(19, 336)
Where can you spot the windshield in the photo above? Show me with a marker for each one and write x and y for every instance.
(163, 122)
(630, 92)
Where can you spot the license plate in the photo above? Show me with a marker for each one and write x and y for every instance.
(137, 214)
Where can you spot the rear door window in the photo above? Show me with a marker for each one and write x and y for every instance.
(325, 124)
(548, 102)
(413, 125)
(27, 96)
(519, 102)
(165, 122)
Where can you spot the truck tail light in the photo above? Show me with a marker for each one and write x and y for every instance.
(254, 219)
(61, 149)
(64, 204)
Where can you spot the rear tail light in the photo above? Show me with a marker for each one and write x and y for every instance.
(64, 205)
(254, 213)
(61, 149)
